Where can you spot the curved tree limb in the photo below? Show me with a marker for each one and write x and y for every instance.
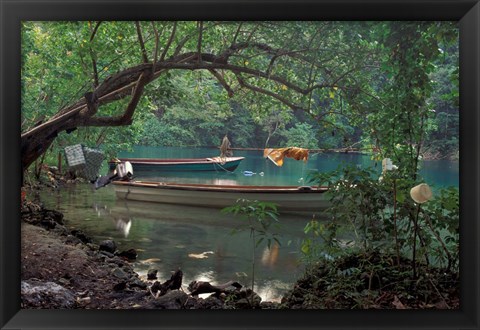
(118, 86)
(222, 81)
(126, 117)
(243, 83)
(132, 81)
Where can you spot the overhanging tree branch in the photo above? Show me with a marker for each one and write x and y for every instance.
(140, 40)
(126, 117)
(130, 82)
(222, 81)
(199, 43)
(285, 101)
(119, 85)
(169, 42)
(92, 54)
(157, 41)
(92, 35)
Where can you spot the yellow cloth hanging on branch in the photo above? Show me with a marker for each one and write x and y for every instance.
(277, 155)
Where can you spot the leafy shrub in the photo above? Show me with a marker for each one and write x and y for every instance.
(382, 216)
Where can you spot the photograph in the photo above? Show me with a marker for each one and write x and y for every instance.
(251, 165)
(240, 165)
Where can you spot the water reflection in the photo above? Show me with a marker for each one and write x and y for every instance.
(222, 178)
(270, 255)
(197, 240)
(165, 235)
(123, 225)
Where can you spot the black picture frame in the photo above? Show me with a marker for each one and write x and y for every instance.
(466, 12)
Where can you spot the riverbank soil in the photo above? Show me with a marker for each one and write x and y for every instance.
(59, 270)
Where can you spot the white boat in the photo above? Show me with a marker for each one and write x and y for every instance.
(287, 198)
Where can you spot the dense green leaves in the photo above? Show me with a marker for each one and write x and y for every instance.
(386, 87)
(381, 215)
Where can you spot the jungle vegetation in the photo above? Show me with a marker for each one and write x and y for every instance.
(386, 88)
(389, 89)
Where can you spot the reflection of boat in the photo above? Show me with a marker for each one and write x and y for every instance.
(169, 212)
(288, 198)
(181, 164)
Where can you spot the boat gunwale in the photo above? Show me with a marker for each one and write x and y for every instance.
(179, 161)
(222, 188)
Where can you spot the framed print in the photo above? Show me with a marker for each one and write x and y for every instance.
(241, 164)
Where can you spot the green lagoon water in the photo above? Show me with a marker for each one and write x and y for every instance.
(436, 173)
(200, 241)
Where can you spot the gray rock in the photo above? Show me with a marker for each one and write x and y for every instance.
(84, 301)
(175, 299)
(108, 246)
(245, 299)
(269, 305)
(107, 254)
(119, 273)
(82, 236)
(64, 281)
(48, 223)
(136, 282)
(120, 286)
(92, 246)
(38, 294)
(211, 302)
(61, 230)
(73, 240)
(130, 254)
(152, 274)
(53, 215)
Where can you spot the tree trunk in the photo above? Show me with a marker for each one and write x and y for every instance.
(36, 141)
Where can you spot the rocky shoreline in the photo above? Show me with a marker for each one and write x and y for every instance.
(63, 268)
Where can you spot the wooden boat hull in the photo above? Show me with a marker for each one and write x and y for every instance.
(288, 198)
(181, 164)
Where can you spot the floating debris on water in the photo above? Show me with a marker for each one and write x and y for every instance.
(202, 255)
(150, 261)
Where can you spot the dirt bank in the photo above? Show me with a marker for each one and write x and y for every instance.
(54, 260)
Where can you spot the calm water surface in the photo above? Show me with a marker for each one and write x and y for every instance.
(205, 243)
(439, 173)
